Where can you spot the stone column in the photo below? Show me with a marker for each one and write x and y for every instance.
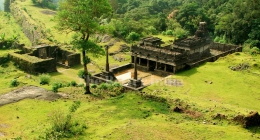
(107, 63)
(165, 67)
(174, 69)
(139, 60)
(135, 67)
(156, 65)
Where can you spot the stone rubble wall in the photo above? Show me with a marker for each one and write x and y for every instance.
(33, 30)
(32, 64)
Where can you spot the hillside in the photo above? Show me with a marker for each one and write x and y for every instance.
(216, 100)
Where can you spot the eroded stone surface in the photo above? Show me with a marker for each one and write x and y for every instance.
(31, 92)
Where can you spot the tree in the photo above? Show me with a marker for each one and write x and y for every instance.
(189, 16)
(83, 17)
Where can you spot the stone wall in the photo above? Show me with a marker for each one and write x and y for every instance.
(223, 47)
(32, 64)
(122, 68)
(32, 29)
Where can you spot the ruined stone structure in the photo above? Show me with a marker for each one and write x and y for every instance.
(183, 53)
(104, 76)
(43, 59)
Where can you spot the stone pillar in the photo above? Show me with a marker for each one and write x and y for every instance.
(107, 63)
(156, 65)
(165, 67)
(135, 67)
(174, 69)
(139, 60)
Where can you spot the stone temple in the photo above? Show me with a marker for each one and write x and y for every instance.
(152, 57)
(183, 53)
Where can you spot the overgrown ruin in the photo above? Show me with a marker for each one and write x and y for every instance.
(44, 58)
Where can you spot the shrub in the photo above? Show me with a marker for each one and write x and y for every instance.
(217, 38)
(163, 33)
(180, 33)
(103, 86)
(152, 30)
(81, 74)
(14, 83)
(169, 32)
(94, 86)
(133, 36)
(44, 79)
(73, 83)
(254, 51)
(65, 124)
(56, 86)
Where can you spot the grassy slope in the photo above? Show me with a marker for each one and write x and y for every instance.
(124, 117)
(10, 28)
(46, 20)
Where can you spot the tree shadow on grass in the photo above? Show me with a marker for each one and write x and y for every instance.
(77, 67)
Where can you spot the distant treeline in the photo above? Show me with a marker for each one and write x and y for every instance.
(229, 21)
(51, 4)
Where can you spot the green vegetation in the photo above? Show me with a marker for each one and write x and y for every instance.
(14, 83)
(46, 4)
(65, 124)
(112, 113)
(44, 79)
(73, 16)
(10, 31)
(129, 115)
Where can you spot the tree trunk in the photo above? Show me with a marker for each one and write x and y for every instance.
(86, 78)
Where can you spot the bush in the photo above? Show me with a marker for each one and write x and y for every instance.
(73, 83)
(133, 36)
(94, 86)
(81, 74)
(254, 51)
(152, 30)
(65, 124)
(14, 83)
(180, 33)
(44, 79)
(163, 33)
(103, 86)
(169, 32)
(56, 86)
(216, 39)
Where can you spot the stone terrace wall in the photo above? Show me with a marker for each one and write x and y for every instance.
(32, 64)
(223, 47)
(73, 59)
(33, 30)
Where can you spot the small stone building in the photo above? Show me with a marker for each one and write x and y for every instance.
(44, 58)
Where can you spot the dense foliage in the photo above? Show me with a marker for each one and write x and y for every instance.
(229, 21)
(51, 4)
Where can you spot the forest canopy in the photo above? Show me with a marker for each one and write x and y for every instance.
(229, 21)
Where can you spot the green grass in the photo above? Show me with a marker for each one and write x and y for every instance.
(10, 28)
(129, 116)
(47, 20)
(125, 117)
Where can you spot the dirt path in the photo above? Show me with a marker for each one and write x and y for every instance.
(27, 92)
